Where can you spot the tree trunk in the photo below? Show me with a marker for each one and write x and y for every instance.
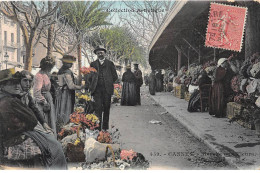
(79, 63)
(252, 33)
(28, 60)
(29, 51)
(50, 33)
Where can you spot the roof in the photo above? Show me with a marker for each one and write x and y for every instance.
(179, 24)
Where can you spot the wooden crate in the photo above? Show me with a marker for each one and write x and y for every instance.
(180, 89)
(230, 110)
(187, 96)
(246, 124)
(234, 110)
(174, 91)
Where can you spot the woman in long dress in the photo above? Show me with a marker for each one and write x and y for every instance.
(129, 88)
(65, 99)
(152, 83)
(41, 92)
(221, 89)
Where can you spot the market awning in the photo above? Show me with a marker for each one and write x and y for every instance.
(186, 22)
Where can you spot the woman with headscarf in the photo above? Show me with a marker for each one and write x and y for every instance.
(221, 89)
(129, 88)
(21, 143)
(27, 99)
(65, 99)
(41, 92)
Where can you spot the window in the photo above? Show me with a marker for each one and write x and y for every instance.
(5, 20)
(5, 38)
(12, 37)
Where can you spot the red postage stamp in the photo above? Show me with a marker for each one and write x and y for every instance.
(226, 27)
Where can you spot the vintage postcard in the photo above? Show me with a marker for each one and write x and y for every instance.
(130, 85)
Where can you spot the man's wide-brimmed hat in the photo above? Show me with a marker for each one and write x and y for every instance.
(68, 59)
(9, 74)
(100, 48)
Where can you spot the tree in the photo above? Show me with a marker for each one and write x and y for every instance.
(145, 19)
(120, 43)
(83, 16)
(50, 32)
(32, 19)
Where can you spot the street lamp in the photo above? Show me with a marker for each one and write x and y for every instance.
(6, 56)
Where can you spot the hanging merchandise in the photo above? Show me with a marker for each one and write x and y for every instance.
(251, 88)
(257, 102)
(243, 85)
(255, 71)
(235, 83)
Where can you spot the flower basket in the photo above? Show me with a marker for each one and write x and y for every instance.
(75, 152)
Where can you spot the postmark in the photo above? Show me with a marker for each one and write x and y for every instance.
(226, 27)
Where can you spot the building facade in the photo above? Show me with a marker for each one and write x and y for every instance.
(12, 49)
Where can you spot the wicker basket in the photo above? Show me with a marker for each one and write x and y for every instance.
(234, 110)
(238, 112)
(75, 153)
(113, 156)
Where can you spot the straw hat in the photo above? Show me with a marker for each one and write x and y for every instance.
(68, 59)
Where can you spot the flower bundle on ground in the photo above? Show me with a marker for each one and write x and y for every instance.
(92, 117)
(66, 132)
(87, 70)
(89, 121)
(128, 155)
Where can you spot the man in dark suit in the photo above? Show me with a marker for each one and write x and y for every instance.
(102, 86)
(139, 83)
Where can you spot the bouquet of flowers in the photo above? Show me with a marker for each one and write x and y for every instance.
(104, 137)
(87, 70)
(117, 86)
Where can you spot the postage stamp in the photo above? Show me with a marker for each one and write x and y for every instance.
(226, 27)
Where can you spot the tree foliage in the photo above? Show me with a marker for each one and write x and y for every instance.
(120, 43)
(82, 17)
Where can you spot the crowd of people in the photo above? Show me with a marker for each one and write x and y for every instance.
(29, 122)
(228, 80)
(132, 81)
